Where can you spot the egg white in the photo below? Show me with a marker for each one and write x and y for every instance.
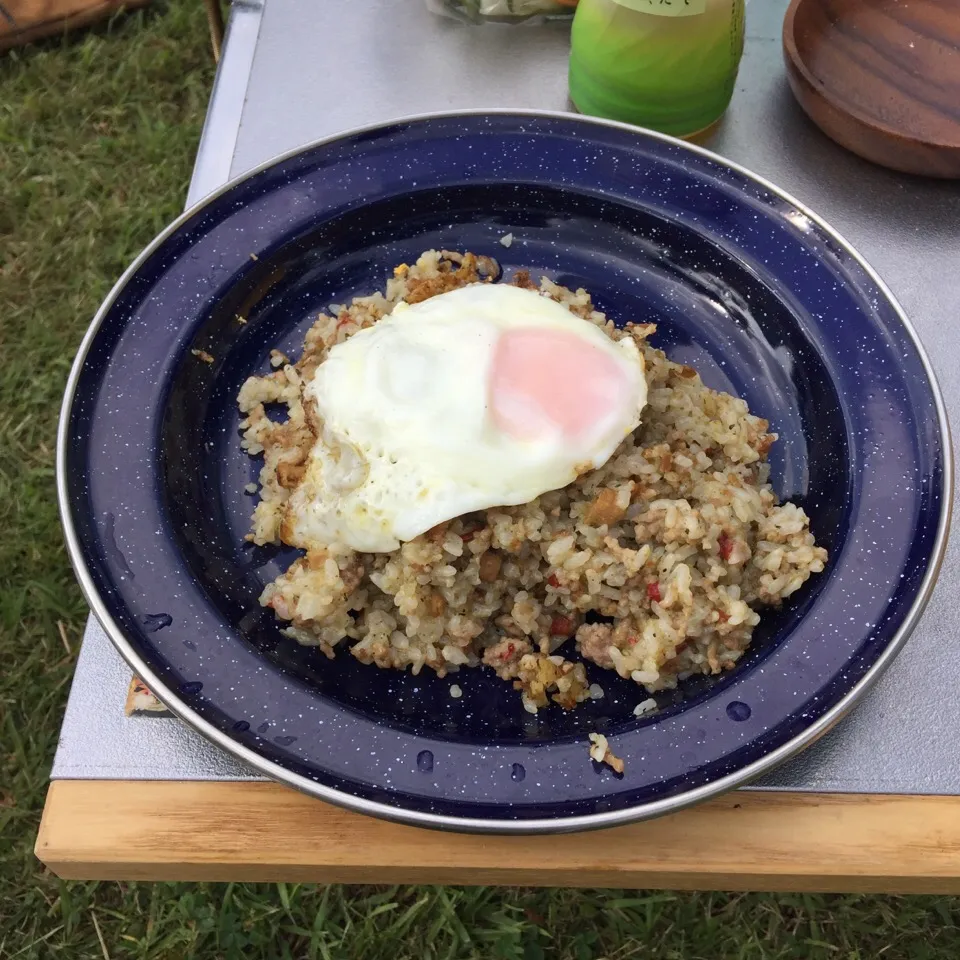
(407, 440)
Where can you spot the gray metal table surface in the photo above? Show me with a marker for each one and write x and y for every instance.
(294, 71)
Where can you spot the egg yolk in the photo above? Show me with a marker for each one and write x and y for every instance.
(547, 381)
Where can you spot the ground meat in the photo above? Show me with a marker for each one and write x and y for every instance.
(289, 474)
(594, 641)
(456, 270)
(489, 566)
(436, 605)
(504, 656)
(604, 510)
(436, 534)
(351, 575)
(522, 279)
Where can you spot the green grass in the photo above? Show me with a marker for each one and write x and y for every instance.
(97, 135)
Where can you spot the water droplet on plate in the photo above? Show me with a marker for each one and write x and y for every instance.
(738, 711)
(425, 761)
(153, 622)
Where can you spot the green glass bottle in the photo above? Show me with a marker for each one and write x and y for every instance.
(666, 64)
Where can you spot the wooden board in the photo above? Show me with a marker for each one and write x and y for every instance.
(158, 830)
(22, 21)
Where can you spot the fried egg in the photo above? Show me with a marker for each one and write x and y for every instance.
(488, 395)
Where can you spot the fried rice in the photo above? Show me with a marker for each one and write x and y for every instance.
(653, 565)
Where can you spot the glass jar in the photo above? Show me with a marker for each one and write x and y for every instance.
(666, 64)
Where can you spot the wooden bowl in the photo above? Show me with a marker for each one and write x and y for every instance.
(881, 77)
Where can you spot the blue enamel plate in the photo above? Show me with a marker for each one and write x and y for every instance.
(747, 286)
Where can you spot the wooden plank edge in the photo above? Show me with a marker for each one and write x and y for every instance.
(221, 831)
